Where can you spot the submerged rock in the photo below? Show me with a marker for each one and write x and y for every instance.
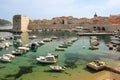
(23, 70)
(71, 60)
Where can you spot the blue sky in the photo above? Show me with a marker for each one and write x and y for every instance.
(47, 9)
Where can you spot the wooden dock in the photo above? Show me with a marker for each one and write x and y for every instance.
(115, 70)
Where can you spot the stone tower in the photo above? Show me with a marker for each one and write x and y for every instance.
(20, 23)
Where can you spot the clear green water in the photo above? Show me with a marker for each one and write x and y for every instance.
(74, 57)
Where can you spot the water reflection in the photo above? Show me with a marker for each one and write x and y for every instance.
(25, 38)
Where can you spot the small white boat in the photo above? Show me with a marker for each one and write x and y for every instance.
(41, 42)
(63, 46)
(57, 68)
(59, 49)
(18, 52)
(93, 47)
(24, 48)
(2, 46)
(5, 58)
(47, 39)
(55, 55)
(7, 44)
(9, 55)
(46, 59)
(28, 45)
(2, 39)
(33, 37)
(18, 41)
(53, 37)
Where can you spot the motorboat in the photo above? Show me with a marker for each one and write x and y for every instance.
(17, 42)
(28, 45)
(2, 46)
(47, 39)
(74, 39)
(96, 65)
(46, 59)
(18, 52)
(6, 44)
(63, 46)
(2, 39)
(24, 48)
(59, 49)
(57, 68)
(41, 42)
(33, 37)
(5, 58)
(55, 55)
(93, 47)
(53, 37)
(94, 42)
(9, 55)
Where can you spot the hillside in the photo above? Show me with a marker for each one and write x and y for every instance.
(4, 22)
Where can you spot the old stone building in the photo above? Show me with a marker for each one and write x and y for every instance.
(20, 23)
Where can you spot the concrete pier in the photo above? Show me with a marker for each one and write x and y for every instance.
(115, 70)
(94, 34)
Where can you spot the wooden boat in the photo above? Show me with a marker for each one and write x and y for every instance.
(96, 65)
(57, 68)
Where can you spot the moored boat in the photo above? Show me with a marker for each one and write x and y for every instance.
(96, 65)
(57, 68)
(59, 49)
(18, 52)
(93, 47)
(7, 57)
(24, 48)
(53, 37)
(46, 59)
(33, 37)
(47, 39)
(63, 46)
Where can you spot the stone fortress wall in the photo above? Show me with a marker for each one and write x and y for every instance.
(108, 24)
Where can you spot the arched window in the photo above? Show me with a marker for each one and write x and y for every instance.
(103, 28)
(98, 28)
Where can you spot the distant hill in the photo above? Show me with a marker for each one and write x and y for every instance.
(4, 22)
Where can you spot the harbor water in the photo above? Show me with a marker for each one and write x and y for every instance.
(74, 58)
